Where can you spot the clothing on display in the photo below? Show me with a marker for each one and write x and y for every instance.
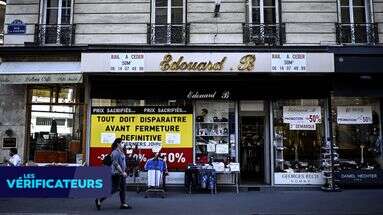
(157, 170)
(154, 178)
(155, 167)
(200, 176)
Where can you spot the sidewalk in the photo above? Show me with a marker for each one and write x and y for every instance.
(277, 202)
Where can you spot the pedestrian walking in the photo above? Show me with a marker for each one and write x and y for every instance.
(118, 171)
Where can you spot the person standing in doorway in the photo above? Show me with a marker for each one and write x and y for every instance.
(118, 170)
(14, 159)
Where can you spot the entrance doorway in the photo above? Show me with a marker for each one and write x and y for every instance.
(252, 148)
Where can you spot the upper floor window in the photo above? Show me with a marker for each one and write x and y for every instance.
(354, 11)
(355, 22)
(56, 22)
(168, 22)
(262, 25)
(262, 11)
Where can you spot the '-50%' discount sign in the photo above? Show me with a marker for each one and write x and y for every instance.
(145, 127)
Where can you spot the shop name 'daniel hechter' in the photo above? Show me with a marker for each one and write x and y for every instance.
(168, 64)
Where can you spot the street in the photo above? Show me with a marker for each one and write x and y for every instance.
(357, 201)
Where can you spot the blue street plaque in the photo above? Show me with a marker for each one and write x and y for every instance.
(17, 27)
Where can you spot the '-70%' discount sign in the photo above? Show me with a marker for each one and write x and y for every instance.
(143, 128)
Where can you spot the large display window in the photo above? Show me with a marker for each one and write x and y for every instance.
(56, 116)
(215, 131)
(297, 138)
(357, 132)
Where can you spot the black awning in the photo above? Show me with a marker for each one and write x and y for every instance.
(240, 86)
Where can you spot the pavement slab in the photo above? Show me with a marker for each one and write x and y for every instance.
(347, 202)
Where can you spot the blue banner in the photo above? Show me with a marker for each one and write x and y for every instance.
(55, 182)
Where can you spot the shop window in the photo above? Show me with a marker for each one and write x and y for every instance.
(357, 133)
(298, 135)
(215, 131)
(55, 125)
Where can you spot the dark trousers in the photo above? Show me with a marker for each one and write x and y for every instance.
(118, 184)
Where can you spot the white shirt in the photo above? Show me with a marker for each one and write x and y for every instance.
(15, 160)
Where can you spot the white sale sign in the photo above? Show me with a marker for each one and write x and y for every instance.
(349, 115)
(302, 114)
(307, 127)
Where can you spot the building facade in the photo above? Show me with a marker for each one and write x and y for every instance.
(287, 89)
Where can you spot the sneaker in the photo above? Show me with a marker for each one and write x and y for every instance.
(125, 206)
(98, 204)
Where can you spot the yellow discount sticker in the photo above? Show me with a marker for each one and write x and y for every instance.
(144, 127)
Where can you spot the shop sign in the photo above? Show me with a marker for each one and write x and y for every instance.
(302, 114)
(17, 27)
(360, 177)
(354, 115)
(207, 62)
(124, 62)
(39, 68)
(41, 79)
(308, 126)
(308, 178)
(143, 128)
(288, 62)
(55, 182)
(196, 94)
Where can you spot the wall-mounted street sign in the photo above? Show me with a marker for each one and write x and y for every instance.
(17, 27)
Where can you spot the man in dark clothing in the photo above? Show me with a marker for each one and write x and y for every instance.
(118, 171)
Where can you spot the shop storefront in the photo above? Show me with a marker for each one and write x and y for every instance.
(51, 110)
(236, 107)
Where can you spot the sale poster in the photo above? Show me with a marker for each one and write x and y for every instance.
(302, 114)
(349, 115)
(142, 128)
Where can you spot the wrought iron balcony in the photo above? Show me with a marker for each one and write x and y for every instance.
(264, 34)
(61, 35)
(168, 33)
(357, 33)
